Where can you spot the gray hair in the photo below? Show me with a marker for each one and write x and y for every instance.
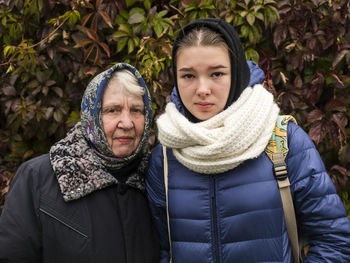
(127, 82)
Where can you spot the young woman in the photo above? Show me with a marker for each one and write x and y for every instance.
(85, 201)
(223, 201)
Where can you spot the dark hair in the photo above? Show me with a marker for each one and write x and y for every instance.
(202, 36)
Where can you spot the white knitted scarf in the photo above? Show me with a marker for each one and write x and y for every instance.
(221, 143)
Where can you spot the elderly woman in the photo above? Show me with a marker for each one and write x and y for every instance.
(85, 201)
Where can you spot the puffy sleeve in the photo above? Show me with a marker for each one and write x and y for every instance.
(20, 232)
(320, 213)
(157, 201)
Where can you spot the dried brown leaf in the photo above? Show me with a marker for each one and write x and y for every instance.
(106, 18)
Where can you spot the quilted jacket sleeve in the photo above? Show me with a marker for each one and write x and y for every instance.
(20, 232)
(156, 196)
(320, 213)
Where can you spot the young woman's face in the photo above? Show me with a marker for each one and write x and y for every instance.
(203, 79)
(123, 120)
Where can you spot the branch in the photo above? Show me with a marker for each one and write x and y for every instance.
(47, 37)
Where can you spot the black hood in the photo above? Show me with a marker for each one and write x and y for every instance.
(240, 73)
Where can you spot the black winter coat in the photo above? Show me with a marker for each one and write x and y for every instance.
(109, 225)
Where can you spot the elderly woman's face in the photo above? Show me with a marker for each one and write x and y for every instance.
(123, 119)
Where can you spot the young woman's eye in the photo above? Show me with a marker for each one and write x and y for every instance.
(217, 74)
(187, 76)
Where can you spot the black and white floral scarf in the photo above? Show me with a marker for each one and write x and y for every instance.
(83, 161)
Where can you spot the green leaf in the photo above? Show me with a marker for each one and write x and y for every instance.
(73, 17)
(136, 18)
(130, 46)
(162, 13)
(130, 2)
(193, 16)
(9, 50)
(6, 39)
(73, 117)
(120, 20)
(4, 21)
(120, 34)
(250, 19)
(121, 44)
(158, 29)
(137, 10)
(147, 4)
(259, 16)
(252, 54)
(245, 31)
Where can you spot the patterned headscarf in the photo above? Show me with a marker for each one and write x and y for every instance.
(91, 122)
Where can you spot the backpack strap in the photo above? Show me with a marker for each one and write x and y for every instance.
(277, 150)
(165, 164)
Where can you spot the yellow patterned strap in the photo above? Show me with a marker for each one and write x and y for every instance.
(277, 150)
(165, 163)
(278, 142)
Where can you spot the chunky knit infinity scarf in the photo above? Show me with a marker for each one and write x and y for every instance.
(221, 143)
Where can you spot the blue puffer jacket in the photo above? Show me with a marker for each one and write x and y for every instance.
(237, 216)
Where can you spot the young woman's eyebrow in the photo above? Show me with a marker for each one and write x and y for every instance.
(211, 68)
(185, 69)
(218, 67)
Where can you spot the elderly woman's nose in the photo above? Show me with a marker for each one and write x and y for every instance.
(125, 121)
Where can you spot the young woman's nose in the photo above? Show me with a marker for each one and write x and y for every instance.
(203, 88)
(125, 121)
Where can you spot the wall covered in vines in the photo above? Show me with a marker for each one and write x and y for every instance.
(50, 50)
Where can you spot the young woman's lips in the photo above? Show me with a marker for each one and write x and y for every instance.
(124, 139)
(204, 105)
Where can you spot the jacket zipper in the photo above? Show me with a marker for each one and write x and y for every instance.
(214, 217)
(64, 223)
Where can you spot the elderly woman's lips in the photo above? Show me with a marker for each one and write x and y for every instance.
(124, 139)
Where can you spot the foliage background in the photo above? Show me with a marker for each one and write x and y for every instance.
(51, 49)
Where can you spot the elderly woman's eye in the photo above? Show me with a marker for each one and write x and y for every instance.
(137, 110)
(109, 110)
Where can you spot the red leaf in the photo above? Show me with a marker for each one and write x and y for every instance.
(337, 79)
(315, 115)
(98, 3)
(333, 133)
(87, 52)
(93, 25)
(335, 105)
(106, 18)
(340, 169)
(90, 70)
(298, 82)
(105, 48)
(86, 19)
(279, 35)
(83, 43)
(317, 132)
(92, 34)
(341, 121)
(98, 55)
